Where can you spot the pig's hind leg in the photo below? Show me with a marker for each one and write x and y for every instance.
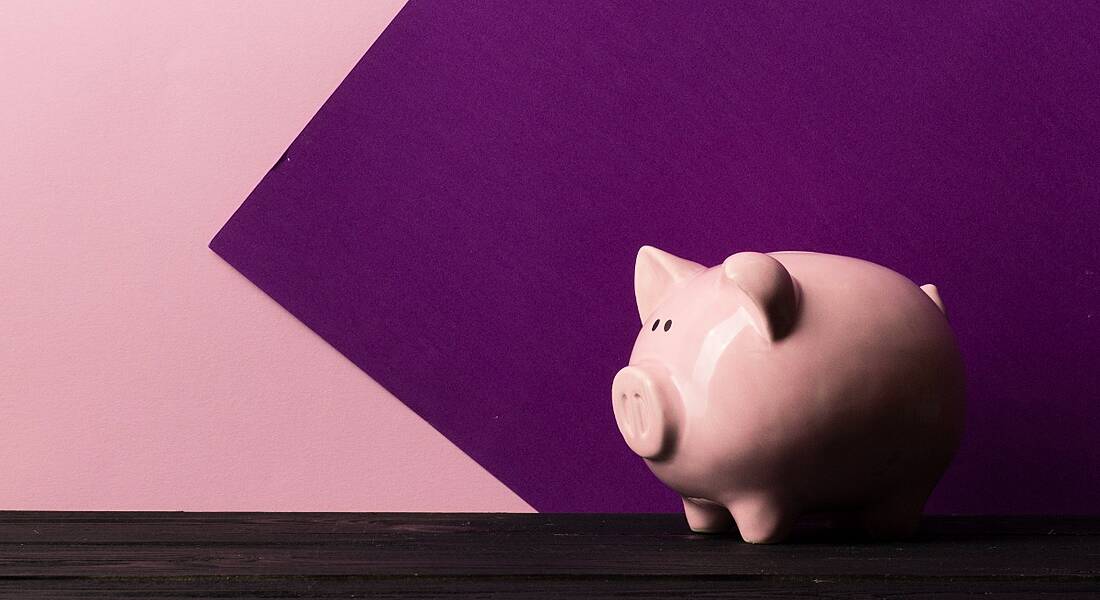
(762, 520)
(704, 516)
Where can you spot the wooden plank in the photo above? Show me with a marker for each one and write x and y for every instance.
(49, 554)
(535, 588)
(168, 527)
(543, 556)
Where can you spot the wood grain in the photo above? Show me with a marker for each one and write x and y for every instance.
(340, 555)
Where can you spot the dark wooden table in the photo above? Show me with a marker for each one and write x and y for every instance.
(343, 555)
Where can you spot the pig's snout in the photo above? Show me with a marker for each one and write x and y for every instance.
(644, 401)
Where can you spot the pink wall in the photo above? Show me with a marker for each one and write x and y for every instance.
(137, 370)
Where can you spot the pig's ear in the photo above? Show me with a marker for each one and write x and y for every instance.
(770, 289)
(655, 272)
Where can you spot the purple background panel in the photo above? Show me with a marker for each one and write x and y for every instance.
(461, 217)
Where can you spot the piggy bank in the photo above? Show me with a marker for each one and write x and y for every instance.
(778, 385)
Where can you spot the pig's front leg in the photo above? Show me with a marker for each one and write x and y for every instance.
(704, 516)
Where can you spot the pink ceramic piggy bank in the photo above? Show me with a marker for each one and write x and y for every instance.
(776, 385)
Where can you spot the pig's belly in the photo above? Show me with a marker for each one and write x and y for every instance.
(869, 442)
(834, 443)
(865, 463)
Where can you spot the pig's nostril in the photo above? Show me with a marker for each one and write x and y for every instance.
(627, 417)
(635, 409)
(639, 409)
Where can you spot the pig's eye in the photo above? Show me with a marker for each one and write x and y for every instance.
(655, 324)
(668, 324)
